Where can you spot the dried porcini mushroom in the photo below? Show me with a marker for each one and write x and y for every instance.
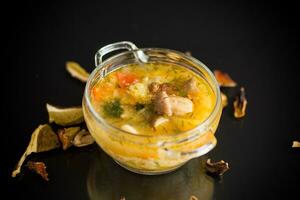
(77, 71)
(296, 144)
(39, 168)
(65, 116)
(224, 79)
(224, 99)
(217, 168)
(66, 136)
(240, 104)
(193, 197)
(83, 138)
(42, 139)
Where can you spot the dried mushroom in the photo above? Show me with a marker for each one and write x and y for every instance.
(39, 168)
(42, 139)
(224, 79)
(224, 99)
(123, 198)
(83, 138)
(240, 104)
(66, 136)
(217, 168)
(193, 197)
(77, 71)
(65, 116)
(296, 144)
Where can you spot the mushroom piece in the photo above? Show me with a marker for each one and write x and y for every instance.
(190, 87)
(159, 121)
(162, 104)
(154, 87)
(83, 138)
(128, 128)
(181, 105)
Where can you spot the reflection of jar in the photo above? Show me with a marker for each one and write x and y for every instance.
(105, 180)
(143, 153)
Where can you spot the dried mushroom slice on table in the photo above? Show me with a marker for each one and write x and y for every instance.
(224, 79)
(39, 168)
(67, 135)
(77, 71)
(240, 104)
(217, 168)
(296, 144)
(193, 197)
(42, 139)
(83, 138)
(65, 116)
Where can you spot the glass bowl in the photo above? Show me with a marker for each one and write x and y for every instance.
(146, 154)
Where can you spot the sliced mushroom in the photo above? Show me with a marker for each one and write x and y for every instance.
(166, 87)
(154, 87)
(159, 121)
(181, 105)
(190, 87)
(128, 128)
(83, 138)
(162, 104)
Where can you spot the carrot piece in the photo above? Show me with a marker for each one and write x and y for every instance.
(125, 80)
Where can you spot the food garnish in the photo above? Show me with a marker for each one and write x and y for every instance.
(113, 108)
(224, 79)
(296, 144)
(83, 138)
(65, 116)
(217, 168)
(39, 168)
(77, 71)
(66, 136)
(42, 139)
(240, 104)
(224, 99)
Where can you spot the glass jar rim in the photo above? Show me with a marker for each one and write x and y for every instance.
(200, 126)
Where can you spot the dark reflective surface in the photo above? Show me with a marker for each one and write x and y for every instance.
(107, 180)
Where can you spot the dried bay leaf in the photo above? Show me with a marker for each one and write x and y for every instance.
(39, 168)
(77, 71)
(66, 136)
(65, 116)
(42, 139)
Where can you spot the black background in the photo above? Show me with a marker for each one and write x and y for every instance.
(254, 42)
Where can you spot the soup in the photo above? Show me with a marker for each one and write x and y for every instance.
(153, 99)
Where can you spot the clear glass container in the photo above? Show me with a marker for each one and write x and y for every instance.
(146, 154)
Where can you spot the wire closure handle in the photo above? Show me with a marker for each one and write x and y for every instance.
(139, 54)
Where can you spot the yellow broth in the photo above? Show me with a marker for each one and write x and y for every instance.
(128, 88)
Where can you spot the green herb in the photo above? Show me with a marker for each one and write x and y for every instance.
(139, 106)
(113, 108)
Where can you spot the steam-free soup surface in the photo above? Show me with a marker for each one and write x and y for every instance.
(153, 99)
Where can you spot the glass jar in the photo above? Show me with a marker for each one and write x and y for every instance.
(150, 154)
